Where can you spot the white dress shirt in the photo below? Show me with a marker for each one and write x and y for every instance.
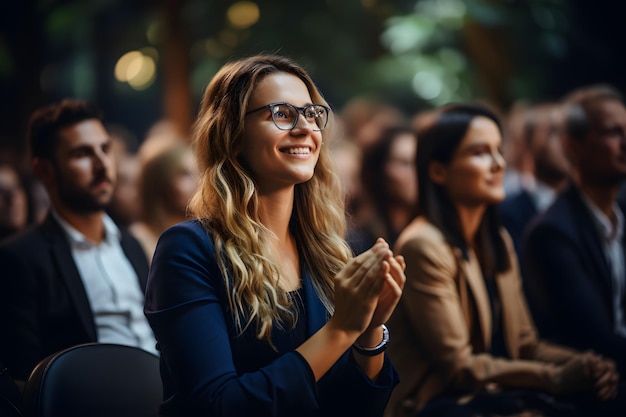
(112, 287)
(611, 235)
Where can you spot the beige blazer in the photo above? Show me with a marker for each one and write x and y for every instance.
(442, 325)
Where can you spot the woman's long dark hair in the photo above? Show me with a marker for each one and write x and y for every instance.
(438, 142)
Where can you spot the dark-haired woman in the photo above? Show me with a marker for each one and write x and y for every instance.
(465, 344)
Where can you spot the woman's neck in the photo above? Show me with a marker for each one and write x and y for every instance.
(470, 218)
(275, 211)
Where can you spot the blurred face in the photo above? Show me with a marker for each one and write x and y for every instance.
(348, 167)
(551, 163)
(400, 170)
(84, 168)
(13, 203)
(474, 175)
(125, 200)
(184, 183)
(601, 155)
(279, 158)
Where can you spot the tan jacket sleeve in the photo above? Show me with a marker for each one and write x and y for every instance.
(441, 324)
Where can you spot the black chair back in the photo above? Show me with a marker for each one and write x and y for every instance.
(95, 380)
(11, 402)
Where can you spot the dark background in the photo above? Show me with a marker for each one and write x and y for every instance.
(513, 50)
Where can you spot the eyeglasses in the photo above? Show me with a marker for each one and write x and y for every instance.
(285, 115)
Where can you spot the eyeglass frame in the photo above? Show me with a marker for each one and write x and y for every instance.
(299, 110)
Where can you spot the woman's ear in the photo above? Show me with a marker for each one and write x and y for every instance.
(437, 172)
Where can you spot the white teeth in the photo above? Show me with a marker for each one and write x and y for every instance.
(298, 151)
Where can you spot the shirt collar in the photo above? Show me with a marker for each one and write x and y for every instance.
(603, 224)
(542, 195)
(111, 231)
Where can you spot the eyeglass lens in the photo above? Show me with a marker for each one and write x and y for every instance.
(285, 115)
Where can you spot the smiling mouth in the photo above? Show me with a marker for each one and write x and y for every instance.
(296, 151)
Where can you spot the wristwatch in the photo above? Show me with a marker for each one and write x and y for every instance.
(376, 350)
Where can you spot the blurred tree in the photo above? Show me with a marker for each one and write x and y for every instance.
(142, 61)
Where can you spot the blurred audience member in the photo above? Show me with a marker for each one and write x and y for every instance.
(161, 134)
(38, 199)
(422, 119)
(389, 181)
(124, 207)
(548, 170)
(347, 158)
(365, 118)
(13, 201)
(518, 173)
(167, 181)
(466, 344)
(574, 253)
(77, 277)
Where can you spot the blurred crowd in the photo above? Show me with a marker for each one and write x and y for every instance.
(576, 301)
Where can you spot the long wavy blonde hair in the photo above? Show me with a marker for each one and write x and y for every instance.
(226, 202)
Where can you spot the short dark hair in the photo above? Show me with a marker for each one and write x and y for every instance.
(576, 107)
(438, 142)
(46, 122)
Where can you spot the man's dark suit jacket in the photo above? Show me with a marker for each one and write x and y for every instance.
(567, 279)
(43, 303)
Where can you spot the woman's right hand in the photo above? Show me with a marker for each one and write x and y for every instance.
(606, 377)
(358, 287)
(576, 375)
(590, 372)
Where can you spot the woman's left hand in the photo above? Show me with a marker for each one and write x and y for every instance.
(389, 297)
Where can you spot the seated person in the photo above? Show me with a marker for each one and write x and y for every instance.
(257, 304)
(75, 278)
(464, 341)
(574, 269)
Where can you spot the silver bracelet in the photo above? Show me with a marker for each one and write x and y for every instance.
(376, 350)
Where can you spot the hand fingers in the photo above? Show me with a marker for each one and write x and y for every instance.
(607, 392)
(364, 261)
(604, 379)
(397, 268)
(395, 286)
(400, 260)
(606, 384)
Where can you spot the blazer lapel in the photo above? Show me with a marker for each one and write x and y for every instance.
(507, 291)
(68, 274)
(590, 239)
(471, 272)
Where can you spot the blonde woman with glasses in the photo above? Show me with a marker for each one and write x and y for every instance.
(258, 306)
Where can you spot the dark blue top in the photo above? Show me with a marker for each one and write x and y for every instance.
(498, 346)
(209, 369)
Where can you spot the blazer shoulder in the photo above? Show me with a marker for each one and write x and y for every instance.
(422, 238)
(564, 215)
(189, 237)
(30, 242)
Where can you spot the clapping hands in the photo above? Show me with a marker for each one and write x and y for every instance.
(368, 289)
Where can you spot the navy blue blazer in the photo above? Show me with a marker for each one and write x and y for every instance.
(43, 304)
(209, 369)
(567, 279)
